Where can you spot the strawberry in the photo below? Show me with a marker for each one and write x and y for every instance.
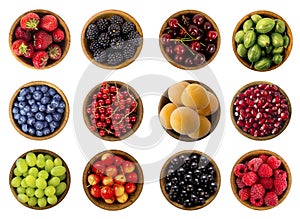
(22, 34)
(48, 23)
(42, 40)
(40, 59)
(30, 21)
(19, 47)
(58, 35)
(54, 52)
(30, 51)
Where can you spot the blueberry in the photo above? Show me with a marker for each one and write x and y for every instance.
(39, 125)
(53, 124)
(39, 133)
(38, 87)
(54, 103)
(17, 116)
(48, 118)
(31, 89)
(46, 131)
(31, 121)
(37, 95)
(50, 108)
(59, 110)
(42, 108)
(31, 131)
(34, 108)
(45, 100)
(27, 108)
(21, 98)
(46, 124)
(44, 88)
(28, 97)
(23, 92)
(57, 97)
(15, 110)
(22, 120)
(40, 116)
(22, 112)
(22, 104)
(31, 102)
(16, 104)
(25, 128)
(57, 117)
(29, 114)
(62, 105)
(52, 92)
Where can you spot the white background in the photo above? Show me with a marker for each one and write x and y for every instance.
(231, 76)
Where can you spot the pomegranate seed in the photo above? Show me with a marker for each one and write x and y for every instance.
(284, 116)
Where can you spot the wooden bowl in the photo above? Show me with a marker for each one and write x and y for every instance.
(163, 174)
(268, 14)
(248, 156)
(99, 201)
(181, 66)
(234, 119)
(89, 98)
(65, 44)
(108, 14)
(214, 118)
(67, 180)
(63, 121)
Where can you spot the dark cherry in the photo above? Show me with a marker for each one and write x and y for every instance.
(179, 49)
(195, 45)
(207, 26)
(198, 19)
(172, 32)
(210, 49)
(188, 61)
(166, 39)
(193, 30)
(178, 58)
(212, 35)
(199, 59)
(169, 50)
(173, 23)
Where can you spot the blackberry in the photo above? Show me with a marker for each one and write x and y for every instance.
(103, 24)
(114, 30)
(127, 27)
(94, 46)
(92, 32)
(134, 37)
(115, 58)
(104, 40)
(116, 19)
(117, 43)
(100, 56)
(129, 51)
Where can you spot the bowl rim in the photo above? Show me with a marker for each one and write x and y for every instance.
(61, 23)
(107, 13)
(267, 14)
(163, 174)
(115, 206)
(68, 178)
(252, 154)
(207, 17)
(139, 107)
(268, 137)
(213, 118)
(65, 117)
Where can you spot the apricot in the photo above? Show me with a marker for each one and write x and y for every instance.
(195, 96)
(212, 107)
(184, 120)
(203, 130)
(165, 114)
(175, 91)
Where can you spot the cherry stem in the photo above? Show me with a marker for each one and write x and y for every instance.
(184, 30)
(188, 48)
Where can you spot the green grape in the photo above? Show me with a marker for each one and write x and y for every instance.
(41, 183)
(33, 171)
(16, 181)
(21, 165)
(57, 162)
(40, 163)
(54, 181)
(43, 174)
(41, 157)
(58, 171)
(25, 174)
(32, 201)
(21, 190)
(23, 183)
(42, 202)
(50, 191)
(30, 181)
(39, 193)
(48, 157)
(30, 159)
(49, 165)
(61, 188)
(17, 172)
(62, 177)
(52, 200)
(30, 192)
(23, 198)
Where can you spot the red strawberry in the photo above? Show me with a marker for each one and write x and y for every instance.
(48, 23)
(30, 21)
(40, 59)
(30, 51)
(54, 52)
(19, 47)
(58, 35)
(42, 40)
(22, 34)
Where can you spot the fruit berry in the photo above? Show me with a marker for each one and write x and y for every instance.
(30, 21)
(257, 191)
(254, 164)
(54, 52)
(271, 199)
(273, 162)
(250, 178)
(240, 170)
(22, 34)
(58, 35)
(265, 171)
(40, 59)
(244, 194)
(48, 23)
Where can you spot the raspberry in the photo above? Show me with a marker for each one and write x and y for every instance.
(273, 162)
(256, 202)
(280, 185)
(266, 182)
(239, 183)
(244, 194)
(254, 164)
(240, 170)
(271, 199)
(250, 178)
(257, 191)
(263, 157)
(280, 174)
(265, 171)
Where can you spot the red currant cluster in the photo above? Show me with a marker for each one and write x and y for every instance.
(113, 110)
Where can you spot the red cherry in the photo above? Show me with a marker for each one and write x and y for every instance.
(166, 39)
(212, 35)
(173, 23)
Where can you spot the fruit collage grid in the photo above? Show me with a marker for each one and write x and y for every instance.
(54, 55)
